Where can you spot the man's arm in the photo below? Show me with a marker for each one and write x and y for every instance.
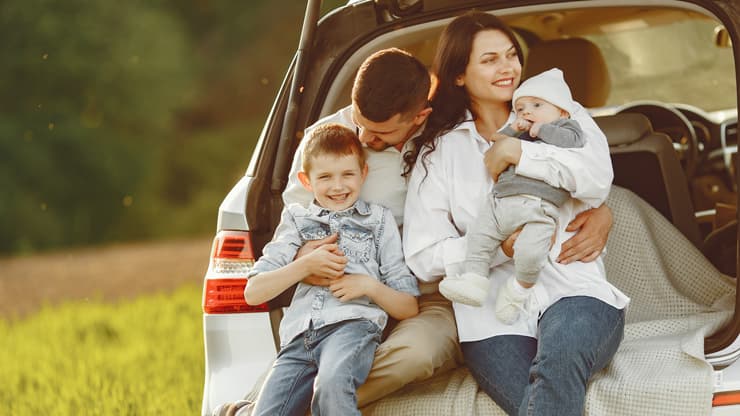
(309, 247)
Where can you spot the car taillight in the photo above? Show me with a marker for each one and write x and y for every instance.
(231, 259)
(726, 398)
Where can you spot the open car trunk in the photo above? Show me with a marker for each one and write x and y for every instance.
(681, 339)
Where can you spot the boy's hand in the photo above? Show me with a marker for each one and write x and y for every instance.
(353, 286)
(309, 247)
(592, 228)
(325, 262)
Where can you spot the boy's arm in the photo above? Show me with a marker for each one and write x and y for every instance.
(400, 305)
(563, 133)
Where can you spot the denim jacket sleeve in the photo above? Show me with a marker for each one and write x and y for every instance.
(284, 245)
(393, 270)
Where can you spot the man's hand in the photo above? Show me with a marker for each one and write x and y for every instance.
(325, 262)
(507, 151)
(592, 230)
(310, 247)
(353, 286)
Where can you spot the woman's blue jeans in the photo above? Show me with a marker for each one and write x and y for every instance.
(576, 337)
(321, 368)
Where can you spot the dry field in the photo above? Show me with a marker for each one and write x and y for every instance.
(108, 273)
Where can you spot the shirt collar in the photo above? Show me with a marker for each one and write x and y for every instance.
(360, 207)
(468, 124)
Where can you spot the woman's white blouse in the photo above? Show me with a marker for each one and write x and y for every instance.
(444, 200)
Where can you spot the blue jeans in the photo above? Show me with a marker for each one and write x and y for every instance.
(321, 368)
(576, 337)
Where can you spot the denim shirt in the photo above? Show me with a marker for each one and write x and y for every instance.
(368, 236)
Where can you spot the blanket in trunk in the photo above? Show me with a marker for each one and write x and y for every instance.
(678, 298)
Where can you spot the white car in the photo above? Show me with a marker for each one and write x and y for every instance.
(660, 78)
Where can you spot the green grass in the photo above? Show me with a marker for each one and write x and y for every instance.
(141, 357)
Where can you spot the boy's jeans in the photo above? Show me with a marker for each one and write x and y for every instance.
(577, 337)
(327, 364)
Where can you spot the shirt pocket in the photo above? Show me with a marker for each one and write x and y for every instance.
(314, 231)
(357, 243)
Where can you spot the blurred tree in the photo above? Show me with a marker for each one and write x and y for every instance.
(86, 91)
(131, 120)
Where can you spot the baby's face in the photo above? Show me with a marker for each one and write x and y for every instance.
(537, 110)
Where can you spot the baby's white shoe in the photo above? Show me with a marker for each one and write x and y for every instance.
(510, 302)
(468, 288)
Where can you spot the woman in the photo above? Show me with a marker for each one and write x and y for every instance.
(542, 363)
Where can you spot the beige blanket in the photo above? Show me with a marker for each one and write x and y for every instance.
(678, 298)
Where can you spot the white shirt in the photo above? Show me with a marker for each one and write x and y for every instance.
(441, 207)
(384, 184)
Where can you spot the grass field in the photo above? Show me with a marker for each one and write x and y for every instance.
(139, 357)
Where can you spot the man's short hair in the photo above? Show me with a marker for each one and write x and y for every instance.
(389, 82)
(332, 139)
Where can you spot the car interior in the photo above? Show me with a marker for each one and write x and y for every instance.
(673, 155)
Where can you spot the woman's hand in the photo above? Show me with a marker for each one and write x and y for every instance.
(592, 230)
(507, 246)
(507, 151)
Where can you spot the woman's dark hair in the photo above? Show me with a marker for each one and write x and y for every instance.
(450, 100)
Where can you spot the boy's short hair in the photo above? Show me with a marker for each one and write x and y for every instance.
(332, 139)
(389, 82)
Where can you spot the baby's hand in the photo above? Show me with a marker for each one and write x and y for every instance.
(521, 124)
(534, 131)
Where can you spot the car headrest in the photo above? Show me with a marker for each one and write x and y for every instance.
(624, 128)
(582, 64)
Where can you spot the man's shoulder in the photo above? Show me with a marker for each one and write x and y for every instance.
(343, 117)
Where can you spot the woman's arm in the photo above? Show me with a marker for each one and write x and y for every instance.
(592, 230)
(432, 242)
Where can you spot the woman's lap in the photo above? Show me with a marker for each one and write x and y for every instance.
(577, 336)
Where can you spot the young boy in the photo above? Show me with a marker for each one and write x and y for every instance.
(542, 105)
(328, 335)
